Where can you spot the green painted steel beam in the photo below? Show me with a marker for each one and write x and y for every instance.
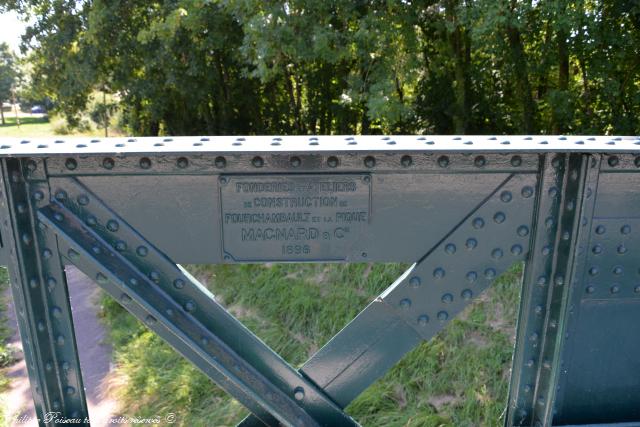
(461, 209)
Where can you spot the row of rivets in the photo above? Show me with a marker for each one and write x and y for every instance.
(295, 161)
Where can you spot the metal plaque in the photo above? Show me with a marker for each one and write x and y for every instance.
(294, 217)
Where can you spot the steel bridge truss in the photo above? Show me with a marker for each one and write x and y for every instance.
(462, 210)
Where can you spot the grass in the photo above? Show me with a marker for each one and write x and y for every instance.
(460, 378)
(6, 355)
(42, 127)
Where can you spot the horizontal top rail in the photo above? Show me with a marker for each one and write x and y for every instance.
(17, 147)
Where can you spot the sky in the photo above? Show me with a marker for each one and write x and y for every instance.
(11, 28)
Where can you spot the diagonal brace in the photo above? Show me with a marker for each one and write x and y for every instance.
(182, 311)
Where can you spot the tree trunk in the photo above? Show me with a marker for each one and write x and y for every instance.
(523, 86)
(457, 43)
(559, 125)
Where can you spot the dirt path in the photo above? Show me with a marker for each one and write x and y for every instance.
(95, 358)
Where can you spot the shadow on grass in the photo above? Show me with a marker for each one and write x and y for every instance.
(24, 121)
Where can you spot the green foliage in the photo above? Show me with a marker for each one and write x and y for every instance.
(8, 75)
(344, 66)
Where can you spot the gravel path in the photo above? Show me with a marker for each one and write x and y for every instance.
(95, 358)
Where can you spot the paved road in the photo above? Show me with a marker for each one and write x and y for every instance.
(95, 358)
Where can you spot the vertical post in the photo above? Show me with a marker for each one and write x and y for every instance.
(548, 277)
(40, 295)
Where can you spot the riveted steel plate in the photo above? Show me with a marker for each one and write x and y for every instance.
(294, 217)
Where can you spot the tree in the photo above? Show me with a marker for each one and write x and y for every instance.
(8, 76)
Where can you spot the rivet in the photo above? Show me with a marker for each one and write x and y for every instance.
(516, 249)
(566, 235)
(133, 281)
(490, 273)
(46, 253)
(478, 223)
(471, 243)
(549, 222)
(169, 312)
(51, 283)
(466, 294)
(142, 251)
(553, 192)
(405, 303)
(178, 283)
(33, 283)
(438, 273)
(423, 320)
(22, 208)
(615, 289)
(369, 161)
(61, 195)
(190, 306)
(480, 161)
(559, 280)
(101, 278)
(496, 253)
(31, 165)
(150, 320)
(415, 281)
(617, 270)
(546, 364)
(406, 161)
(182, 162)
(523, 230)
(154, 276)
(533, 337)
(220, 162)
(145, 163)
(546, 250)
(332, 162)
(538, 309)
(530, 363)
(40, 325)
(112, 225)
(447, 298)
(257, 162)
(472, 276)
(625, 229)
(499, 217)
(71, 164)
(450, 248)
(613, 161)
(516, 161)
(108, 163)
(527, 388)
(83, 200)
(96, 250)
(295, 161)
(298, 393)
(48, 366)
(91, 221)
(70, 391)
(38, 196)
(120, 246)
(593, 271)
(636, 289)
(443, 161)
(56, 405)
(60, 340)
(125, 299)
(26, 238)
(590, 289)
(527, 192)
(442, 316)
(505, 196)
(570, 205)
